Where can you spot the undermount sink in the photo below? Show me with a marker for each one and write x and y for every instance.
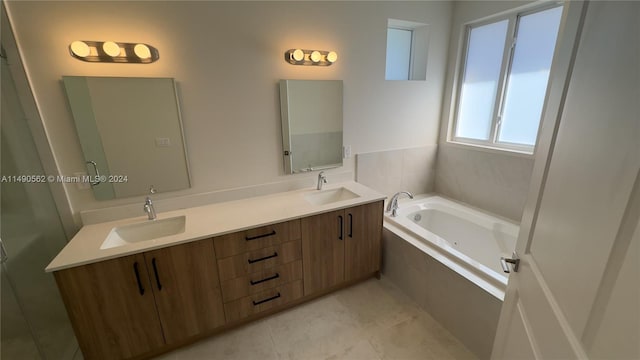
(323, 197)
(148, 230)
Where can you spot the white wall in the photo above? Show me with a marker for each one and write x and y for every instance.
(496, 181)
(227, 58)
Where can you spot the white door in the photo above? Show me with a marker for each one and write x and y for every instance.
(577, 291)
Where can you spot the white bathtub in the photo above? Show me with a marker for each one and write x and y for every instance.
(466, 240)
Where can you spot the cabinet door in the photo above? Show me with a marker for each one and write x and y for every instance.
(363, 233)
(187, 290)
(111, 307)
(323, 251)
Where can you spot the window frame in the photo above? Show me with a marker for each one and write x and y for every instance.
(513, 18)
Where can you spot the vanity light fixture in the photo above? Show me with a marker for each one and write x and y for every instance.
(310, 57)
(111, 51)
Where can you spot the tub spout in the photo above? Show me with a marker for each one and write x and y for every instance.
(393, 203)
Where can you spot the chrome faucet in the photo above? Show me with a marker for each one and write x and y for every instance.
(322, 179)
(148, 205)
(393, 203)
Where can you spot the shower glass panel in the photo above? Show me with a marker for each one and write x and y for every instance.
(34, 321)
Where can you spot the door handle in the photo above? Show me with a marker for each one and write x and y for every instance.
(95, 168)
(515, 261)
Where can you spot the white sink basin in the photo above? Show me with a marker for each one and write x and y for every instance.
(148, 230)
(324, 197)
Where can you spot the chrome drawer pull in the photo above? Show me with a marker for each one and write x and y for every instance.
(263, 258)
(265, 279)
(249, 238)
(265, 300)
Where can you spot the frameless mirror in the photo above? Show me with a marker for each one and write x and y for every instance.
(311, 124)
(131, 134)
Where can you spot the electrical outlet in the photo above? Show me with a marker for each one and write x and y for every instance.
(163, 142)
(82, 185)
(346, 151)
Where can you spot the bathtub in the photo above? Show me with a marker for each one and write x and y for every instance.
(466, 240)
(445, 256)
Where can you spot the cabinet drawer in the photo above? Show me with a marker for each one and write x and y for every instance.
(253, 239)
(259, 281)
(254, 261)
(262, 301)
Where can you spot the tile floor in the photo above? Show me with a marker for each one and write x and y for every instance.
(373, 320)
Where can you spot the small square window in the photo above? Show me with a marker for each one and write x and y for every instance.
(398, 54)
(407, 50)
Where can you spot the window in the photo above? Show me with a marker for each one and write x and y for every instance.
(504, 79)
(398, 53)
(407, 47)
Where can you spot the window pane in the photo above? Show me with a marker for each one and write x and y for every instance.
(398, 54)
(480, 83)
(529, 75)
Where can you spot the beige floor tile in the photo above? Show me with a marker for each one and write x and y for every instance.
(374, 303)
(372, 320)
(420, 337)
(314, 330)
(248, 342)
(362, 350)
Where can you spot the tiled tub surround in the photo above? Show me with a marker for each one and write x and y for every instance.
(497, 181)
(461, 292)
(411, 169)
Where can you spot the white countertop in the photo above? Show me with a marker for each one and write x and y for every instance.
(205, 222)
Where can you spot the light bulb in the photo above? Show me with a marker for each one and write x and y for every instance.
(298, 55)
(142, 51)
(315, 56)
(332, 56)
(110, 48)
(80, 48)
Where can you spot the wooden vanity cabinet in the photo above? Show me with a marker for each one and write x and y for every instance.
(130, 306)
(341, 246)
(260, 269)
(363, 240)
(187, 293)
(138, 305)
(112, 308)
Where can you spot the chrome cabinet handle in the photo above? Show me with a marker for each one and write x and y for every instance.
(95, 168)
(515, 261)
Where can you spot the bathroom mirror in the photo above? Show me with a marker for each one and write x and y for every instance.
(311, 124)
(131, 134)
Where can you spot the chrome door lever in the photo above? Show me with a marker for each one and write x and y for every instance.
(515, 261)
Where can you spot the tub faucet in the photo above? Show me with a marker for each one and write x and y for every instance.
(148, 205)
(393, 203)
(322, 179)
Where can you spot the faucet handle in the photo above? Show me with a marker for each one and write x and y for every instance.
(152, 190)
